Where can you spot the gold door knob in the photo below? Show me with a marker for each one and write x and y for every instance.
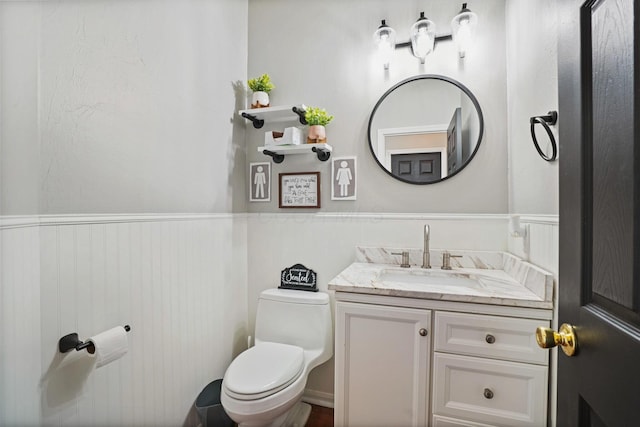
(565, 338)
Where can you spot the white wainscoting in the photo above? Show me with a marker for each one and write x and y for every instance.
(326, 243)
(19, 321)
(178, 281)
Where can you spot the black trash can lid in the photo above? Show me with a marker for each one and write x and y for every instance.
(210, 395)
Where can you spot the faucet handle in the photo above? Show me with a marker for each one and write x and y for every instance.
(405, 258)
(446, 260)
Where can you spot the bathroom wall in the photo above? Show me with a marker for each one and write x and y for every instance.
(532, 90)
(119, 159)
(322, 54)
(330, 47)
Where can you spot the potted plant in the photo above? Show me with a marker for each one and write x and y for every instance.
(261, 86)
(317, 118)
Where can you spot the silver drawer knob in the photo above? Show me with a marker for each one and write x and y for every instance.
(488, 393)
(423, 332)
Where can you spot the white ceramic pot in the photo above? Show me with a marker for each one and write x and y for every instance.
(317, 134)
(260, 99)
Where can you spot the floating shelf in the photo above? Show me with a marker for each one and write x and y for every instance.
(277, 152)
(274, 114)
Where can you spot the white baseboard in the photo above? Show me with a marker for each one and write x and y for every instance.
(319, 398)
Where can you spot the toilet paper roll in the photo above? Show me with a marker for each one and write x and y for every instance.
(109, 345)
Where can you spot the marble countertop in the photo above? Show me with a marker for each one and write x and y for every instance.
(477, 277)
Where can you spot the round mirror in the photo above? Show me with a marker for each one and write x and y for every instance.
(425, 129)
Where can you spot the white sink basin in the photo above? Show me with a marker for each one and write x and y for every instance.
(429, 277)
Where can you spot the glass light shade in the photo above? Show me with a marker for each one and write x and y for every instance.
(423, 35)
(463, 28)
(385, 41)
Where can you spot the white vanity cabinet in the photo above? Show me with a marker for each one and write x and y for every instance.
(438, 363)
(382, 365)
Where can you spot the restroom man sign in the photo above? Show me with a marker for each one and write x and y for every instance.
(260, 182)
(343, 178)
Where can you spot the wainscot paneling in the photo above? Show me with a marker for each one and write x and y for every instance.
(19, 321)
(178, 281)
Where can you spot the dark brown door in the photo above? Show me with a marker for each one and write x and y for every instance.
(417, 167)
(599, 154)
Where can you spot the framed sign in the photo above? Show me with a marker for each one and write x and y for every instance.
(260, 182)
(343, 178)
(299, 277)
(299, 190)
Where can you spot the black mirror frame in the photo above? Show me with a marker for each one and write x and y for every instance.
(456, 83)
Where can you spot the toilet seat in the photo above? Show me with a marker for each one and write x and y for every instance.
(263, 370)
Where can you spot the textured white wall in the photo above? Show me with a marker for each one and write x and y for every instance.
(532, 89)
(112, 107)
(120, 107)
(19, 143)
(321, 53)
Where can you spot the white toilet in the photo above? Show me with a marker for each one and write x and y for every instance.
(264, 384)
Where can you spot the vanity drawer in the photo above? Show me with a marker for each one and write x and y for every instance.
(439, 421)
(488, 391)
(496, 337)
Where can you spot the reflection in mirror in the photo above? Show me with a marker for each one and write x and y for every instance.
(425, 129)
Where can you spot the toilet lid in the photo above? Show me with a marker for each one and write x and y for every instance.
(263, 370)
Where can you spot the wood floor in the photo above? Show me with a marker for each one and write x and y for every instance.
(320, 417)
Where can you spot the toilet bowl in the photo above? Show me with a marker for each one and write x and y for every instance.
(263, 386)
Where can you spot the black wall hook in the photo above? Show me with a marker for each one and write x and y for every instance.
(550, 119)
(71, 341)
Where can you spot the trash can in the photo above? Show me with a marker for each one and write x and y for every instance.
(210, 409)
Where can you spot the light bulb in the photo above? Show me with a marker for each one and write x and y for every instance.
(463, 28)
(385, 40)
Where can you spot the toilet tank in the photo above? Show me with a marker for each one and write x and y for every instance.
(295, 317)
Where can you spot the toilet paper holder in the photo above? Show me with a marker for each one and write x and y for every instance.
(71, 341)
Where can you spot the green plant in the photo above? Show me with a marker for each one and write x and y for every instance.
(317, 116)
(261, 84)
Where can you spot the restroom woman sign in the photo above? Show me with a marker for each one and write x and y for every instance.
(343, 178)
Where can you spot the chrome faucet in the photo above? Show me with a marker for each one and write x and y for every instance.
(426, 257)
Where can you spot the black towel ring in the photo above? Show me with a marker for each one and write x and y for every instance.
(545, 121)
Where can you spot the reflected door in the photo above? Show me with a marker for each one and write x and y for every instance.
(417, 167)
(454, 142)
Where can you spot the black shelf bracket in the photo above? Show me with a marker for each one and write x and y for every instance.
(277, 158)
(323, 154)
(301, 114)
(257, 123)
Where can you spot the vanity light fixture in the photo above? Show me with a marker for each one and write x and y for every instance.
(423, 36)
(464, 27)
(385, 40)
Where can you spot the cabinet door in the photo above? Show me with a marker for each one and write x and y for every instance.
(382, 365)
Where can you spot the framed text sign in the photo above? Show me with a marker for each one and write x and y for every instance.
(299, 190)
(299, 277)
